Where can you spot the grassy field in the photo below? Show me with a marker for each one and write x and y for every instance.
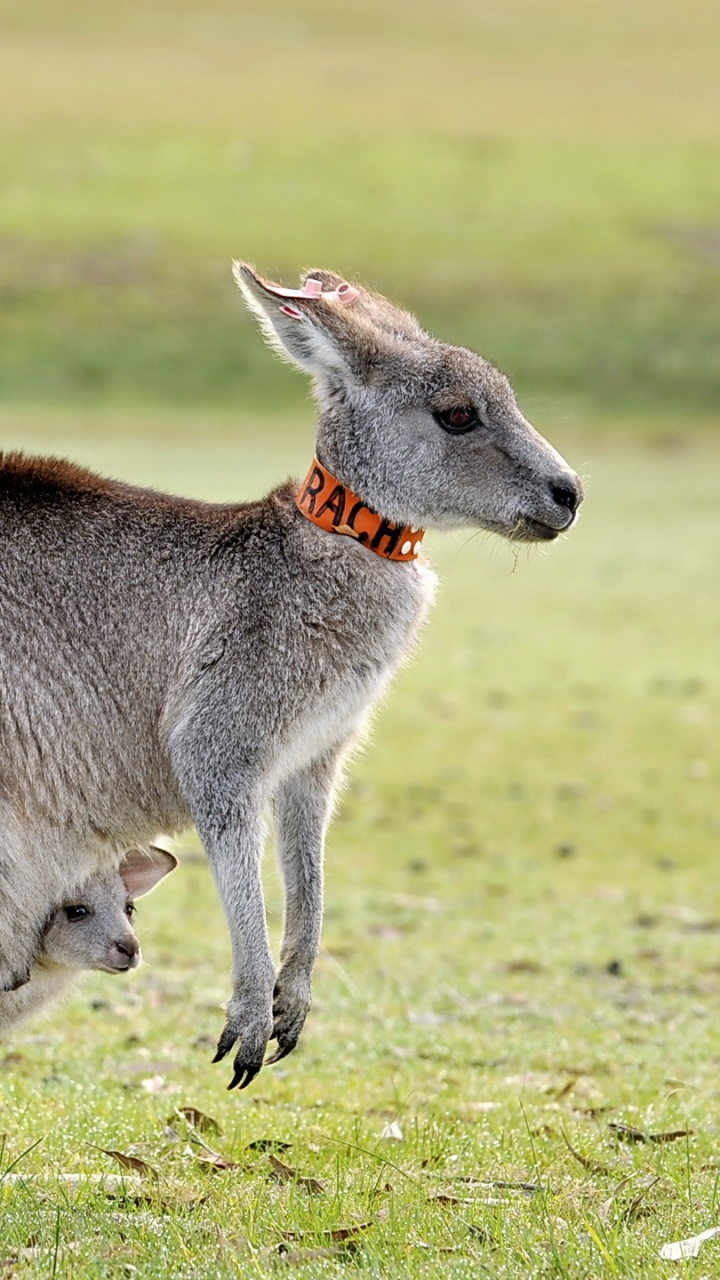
(520, 948)
(539, 181)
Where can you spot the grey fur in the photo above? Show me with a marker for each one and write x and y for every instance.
(164, 661)
(101, 938)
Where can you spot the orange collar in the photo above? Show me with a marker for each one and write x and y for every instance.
(333, 507)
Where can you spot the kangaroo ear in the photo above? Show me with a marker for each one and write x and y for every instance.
(142, 869)
(309, 327)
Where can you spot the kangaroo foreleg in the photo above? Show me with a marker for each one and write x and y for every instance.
(302, 811)
(234, 847)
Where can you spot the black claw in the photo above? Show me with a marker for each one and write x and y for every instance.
(282, 1051)
(225, 1044)
(237, 1077)
(251, 1074)
(243, 1076)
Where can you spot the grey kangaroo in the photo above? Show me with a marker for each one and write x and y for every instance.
(91, 930)
(166, 661)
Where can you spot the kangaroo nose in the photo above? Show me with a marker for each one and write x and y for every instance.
(567, 493)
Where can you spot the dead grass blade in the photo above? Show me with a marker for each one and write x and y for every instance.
(593, 1166)
(637, 1207)
(607, 1205)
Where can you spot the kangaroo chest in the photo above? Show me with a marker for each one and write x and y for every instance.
(351, 650)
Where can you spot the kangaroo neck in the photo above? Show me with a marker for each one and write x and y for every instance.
(332, 506)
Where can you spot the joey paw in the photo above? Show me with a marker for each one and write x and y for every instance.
(13, 981)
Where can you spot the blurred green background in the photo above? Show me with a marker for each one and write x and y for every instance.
(537, 180)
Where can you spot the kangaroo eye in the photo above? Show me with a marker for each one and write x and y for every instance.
(458, 420)
(76, 913)
(130, 910)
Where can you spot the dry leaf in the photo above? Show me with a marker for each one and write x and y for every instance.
(566, 1089)
(198, 1120)
(213, 1160)
(443, 1198)
(284, 1173)
(129, 1162)
(268, 1144)
(626, 1133)
(335, 1234)
(208, 1157)
(392, 1131)
(511, 1186)
(689, 1248)
(671, 1136)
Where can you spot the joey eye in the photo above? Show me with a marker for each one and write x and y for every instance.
(130, 910)
(76, 913)
(457, 420)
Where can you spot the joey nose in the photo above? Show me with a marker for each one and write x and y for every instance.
(129, 947)
(567, 493)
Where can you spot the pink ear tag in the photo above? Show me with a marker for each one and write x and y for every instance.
(312, 290)
(346, 293)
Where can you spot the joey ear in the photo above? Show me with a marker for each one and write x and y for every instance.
(301, 325)
(140, 869)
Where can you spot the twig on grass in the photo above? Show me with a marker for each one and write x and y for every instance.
(593, 1166)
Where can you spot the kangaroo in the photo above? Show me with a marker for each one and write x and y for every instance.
(93, 930)
(166, 661)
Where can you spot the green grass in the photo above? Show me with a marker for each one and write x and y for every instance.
(520, 942)
(538, 183)
(587, 271)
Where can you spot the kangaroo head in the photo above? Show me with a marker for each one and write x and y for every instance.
(426, 433)
(93, 929)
